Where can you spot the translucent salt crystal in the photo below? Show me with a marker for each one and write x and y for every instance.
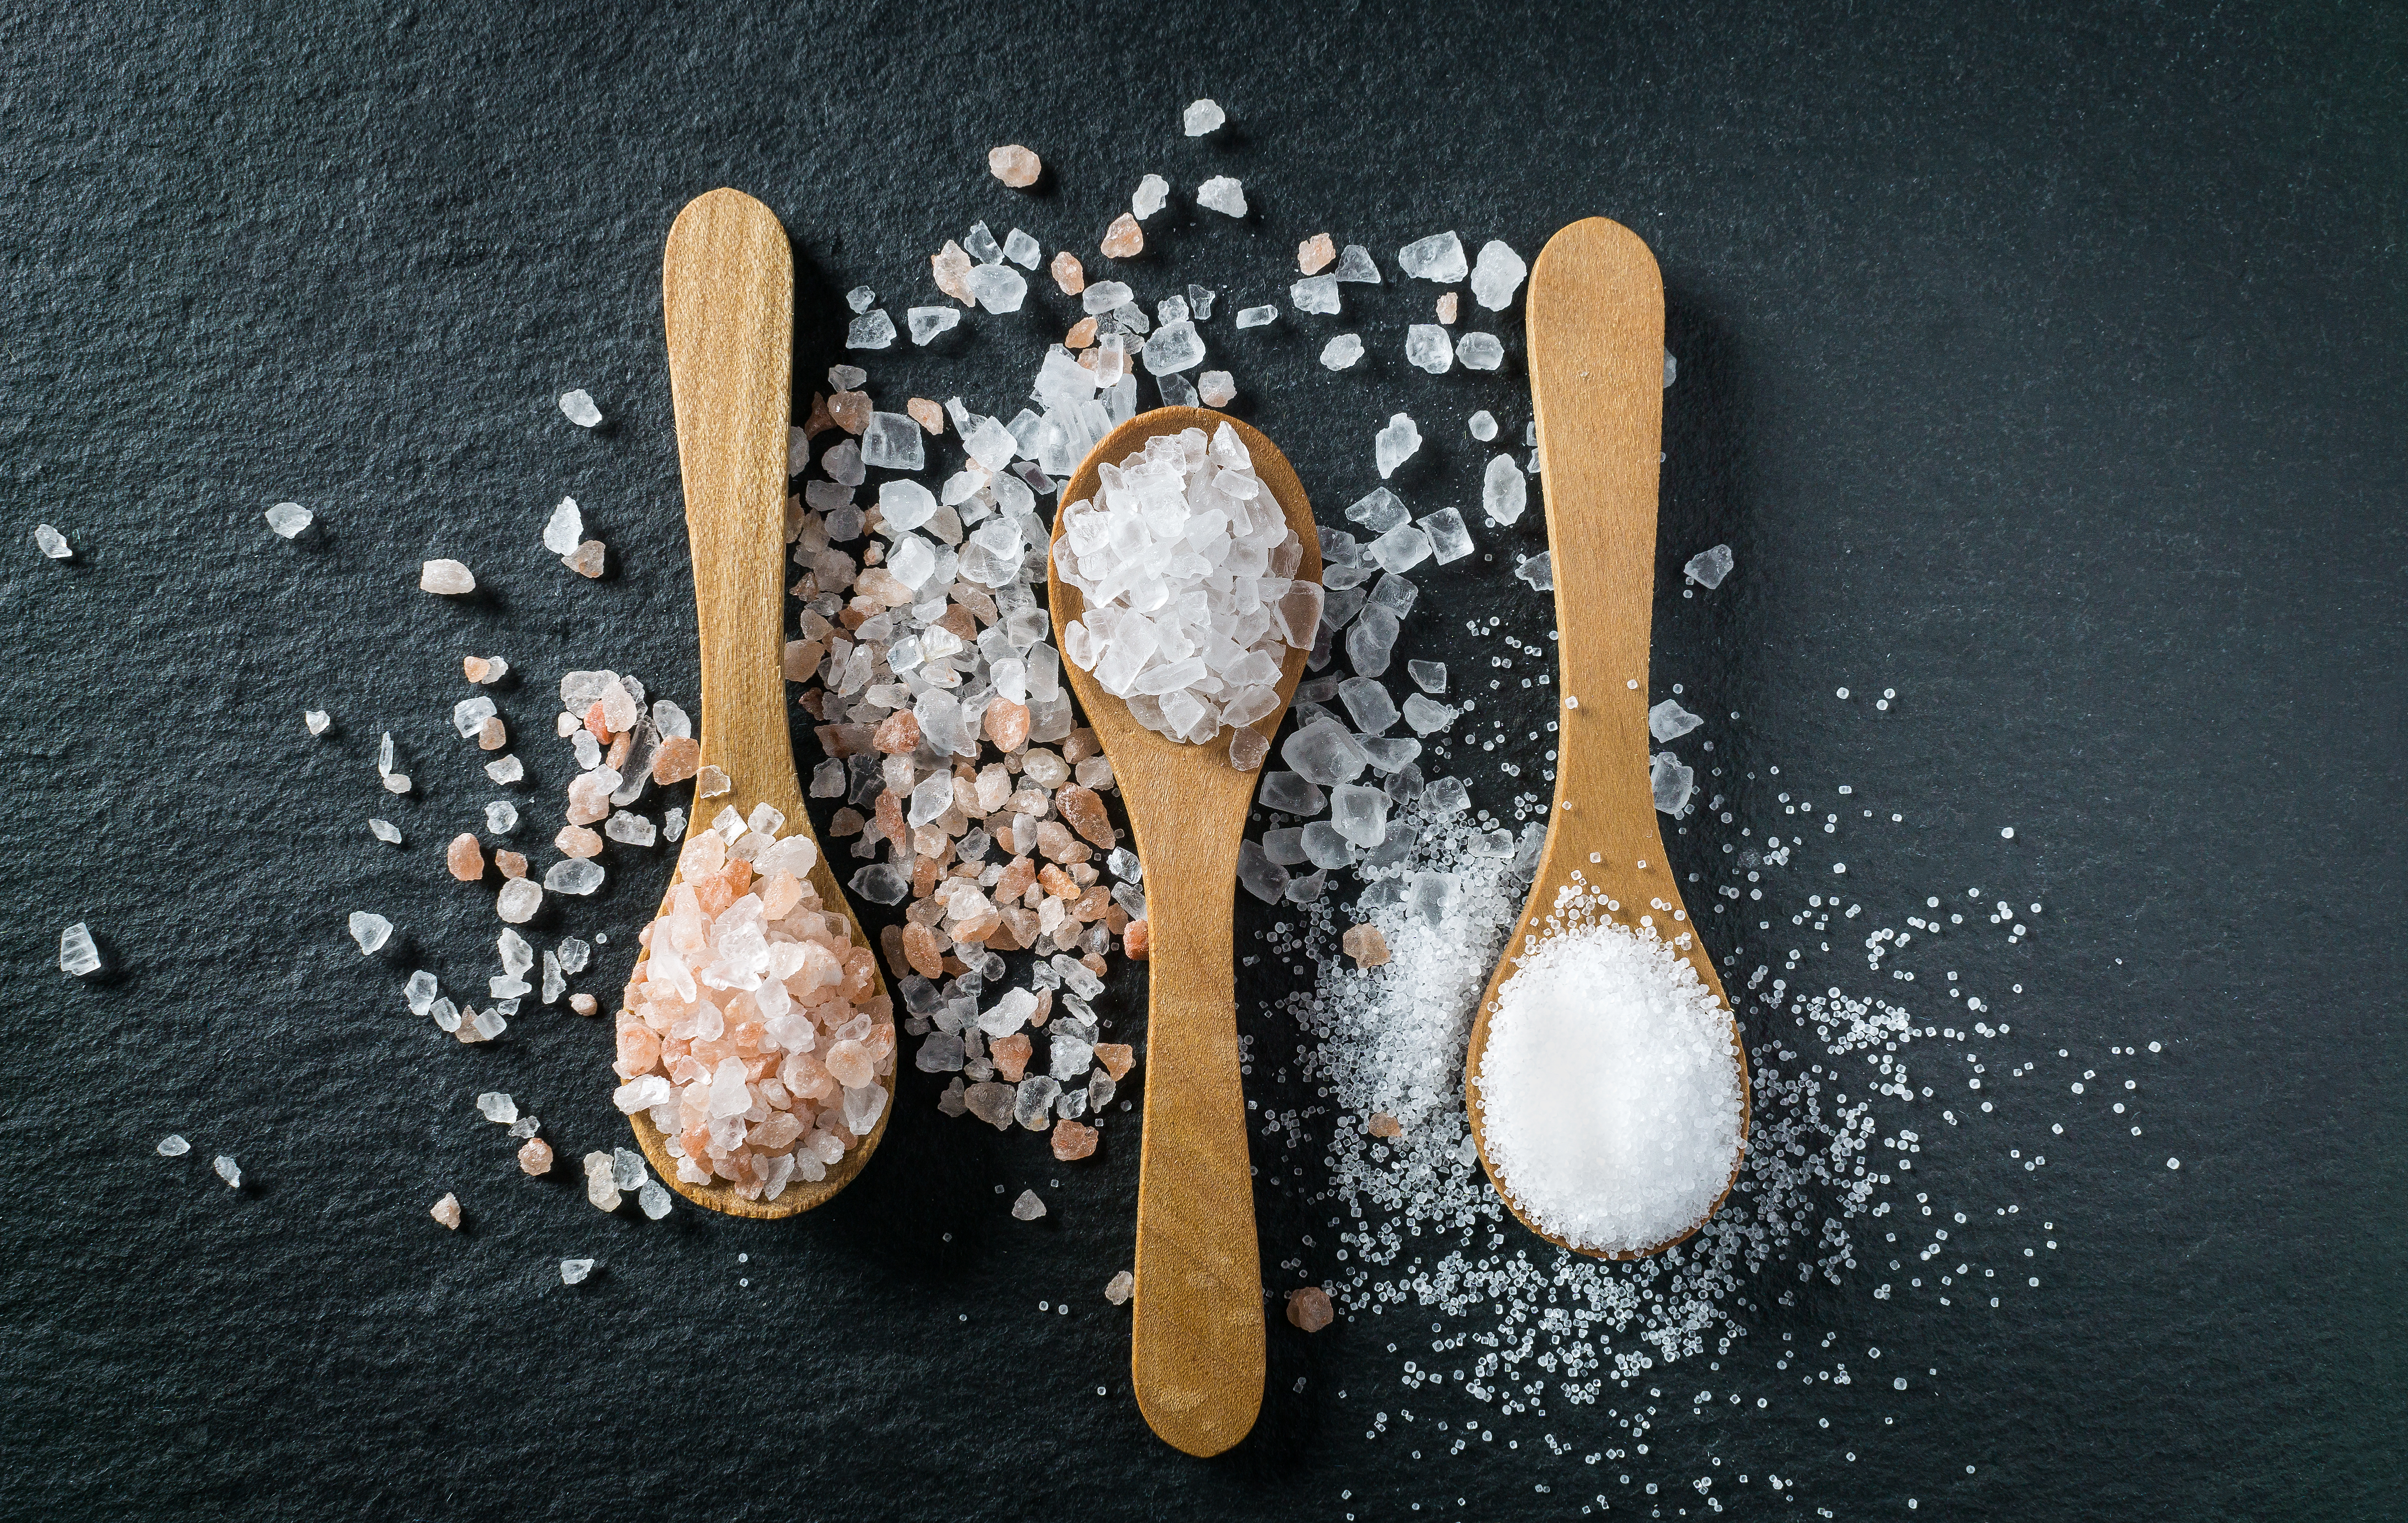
(1447, 796)
(469, 715)
(1266, 879)
(1177, 392)
(654, 1199)
(1216, 389)
(1438, 257)
(1428, 675)
(869, 330)
(1670, 781)
(566, 528)
(1014, 165)
(673, 824)
(385, 830)
(1341, 351)
(1480, 352)
(893, 442)
(1538, 571)
(1484, 425)
(1429, 347)
(519, 901)
(634, 830)
(370, 930)
(1358, 814)
(172, 1145)
(1424, 715)
(578, 408)
(928, 321)
(497, 1106)
(1669, 720)
(1175, 347)
(448, 577)
(881, 883)
(79, 956)
(1390, 757)
(1027, 1207)
(1707, 568)
(1447, 304)
(517, 955)
(1119, 1288)
(981, 245)
(1292, 794)
(228, 1170)
(1355, 263)
(317, 720)
(396, 782)
(841, 377)
(1152, 193)
(1247, 748)
(1369, 640)
(1504, 490)
(505, 769)
(1124, 239)
(289, 518)
(555, 986)
(1671, 369)
(710, 783)
(627, 1168)
(487, 1024)
(52, 542)
(1369, 703)
(1257, 317)
(1105, 296)
(1449, 541)
(1314, 294)
(418, 992)
(1202, 117)
(576, 875)
(1394, 444)
(998, 288)
(1323, 753)
(1496, 275)
(1401, 548)
(573, 1271)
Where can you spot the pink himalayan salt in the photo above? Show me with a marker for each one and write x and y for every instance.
(1007, 724)
(1084, 812)
(1010, 1055)
(447, 1211)
(1070, 276)
(1117, 1058)
(1446, 307)
(1309, 1308)
(1072, 1140)
(1313, 254)
(1138, 939)
(1124, 239)
(493, 734)
(952, 272)
(536, 1157)
(1364, 945)
(589, 796)
(764, 1085)
(584, 1005)
(465, 856)
(1014, 165)
(1383, 1125)
(482, 669)
(1081, 334)
(586, 559)
(577, 841)
(850, 410)
(679, 759)
(926, 414)
(512, 864)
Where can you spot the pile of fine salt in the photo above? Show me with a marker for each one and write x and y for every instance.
(1608, 1090)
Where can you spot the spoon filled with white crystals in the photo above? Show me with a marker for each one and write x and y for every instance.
(1185, 585)
(1606, 1081)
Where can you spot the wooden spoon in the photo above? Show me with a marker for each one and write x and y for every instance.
(1197, 1334)
(1596, 368)
(727, 294)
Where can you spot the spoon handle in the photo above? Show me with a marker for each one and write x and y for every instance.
(1197, 1338)
(728, 297)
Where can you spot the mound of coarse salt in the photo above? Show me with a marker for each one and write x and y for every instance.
(1608, 1090)
(755, 1033)
(1187, 566)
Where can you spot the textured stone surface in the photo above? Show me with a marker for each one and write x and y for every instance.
(2038, 370)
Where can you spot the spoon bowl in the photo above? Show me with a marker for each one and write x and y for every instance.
(1197, 1338)
(1596, 346)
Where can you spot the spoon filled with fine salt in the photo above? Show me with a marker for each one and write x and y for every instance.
(1184, 688)
(1606, 1080)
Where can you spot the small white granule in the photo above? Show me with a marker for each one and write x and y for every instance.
(1608, 1090)
(578, 408)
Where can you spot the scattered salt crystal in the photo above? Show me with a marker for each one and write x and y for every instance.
(172, 1145)
(565, 527)
(1669, 720)
(1707, 568)
(1496, 275)
(1316, 254)
(1356, 265)
(495, 1106)
(1504, 490)
(1447, 306)
(1105, 296)
(1480, 352)
(1124, 239)
(1202, 117)
(578, 408)
(1401, 548)
(1424, 717)
(573, 1271)
(1484, 425)
(1395, 444)
(228, 1170)
(1174, 347)
(654, 1199)
(1314, 294)
(1027, 1207)
(1152, 194)
(317, 720)
(998, 288)
(1022, 250)
(1538, 571)
(1672, 782)
(1341, 351)
(505, 769)
(449, 578)
(1069, 273)
(1257, 317)
(447, 1211)
(52, 542)
(369, 930)
(576, 875)
(418, 992)
(1310, 1309)
(1671, 369)
(1438, 257)
(870, 330)
(1014, 165)
(983, 248)
(1119, 1288)
(289, 518)
(519, 901)
(1449, 541)
(1428, 347)
(892, 441)
(385, 830)
(79, 956)
(710, 783)
(1216, 389)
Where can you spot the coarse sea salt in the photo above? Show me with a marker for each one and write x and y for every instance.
(289, 518)
(78, 955)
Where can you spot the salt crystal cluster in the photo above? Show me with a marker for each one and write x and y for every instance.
(1187, 567)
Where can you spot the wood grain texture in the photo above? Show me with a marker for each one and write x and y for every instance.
(1597, 371)
(728, 297)
(1196, 1340)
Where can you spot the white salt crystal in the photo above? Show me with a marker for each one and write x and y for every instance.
(573, 1271)
(1671, 369)
(1222, 194)
(928, 321)
(1401, 548)
(1378, 510)
(1484, 425)
(673, 824)
(1202, 117)
(1357, 813)
(1257, 317)
(1538, 571)
(1022, 250)
(1368, 704)
(289, 518)
(1355, 263)
(505, 769)
(654, 1199)
(172, 1145)
(565, 530)
(671, 720)
(1480, 352)
(52, 542)
(418, 992)
(1104, 296)
(1341, 351)
(1394, 446)
(1315, 293)
(369, 930)
(1438, 257)
(1608, 1090)
(892, 441)
(317, 720)
(1428, 346)
(627, 1168)
(1669, 720)
(1027, 1207)
(1371, 638)
(869, 330)
(1449, 541)
(469, 716)
(448, 577)
(494, 1105)
(1496, 275)
(1119, 1288)
(634, 830)
(1152, 193)
(1216, 389)
(844, 377)
(576, 875)
(578, 408)
(385, 830)
(78, 955)
(1504, 490)
(998, 288)
(861, 298)
(1707, 568)
(1425, 717)
(228, 1170)
(519, 899)
(1176, 347)
(1428, 675)
(1672, 782)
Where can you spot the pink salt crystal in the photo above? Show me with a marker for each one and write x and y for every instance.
(493, 734)
(586, 559)
(1124, 239)
(1365, 946)
(588, 797)
(926, 414)
(447, 1211)
(1117, 1057)
(1071, 276)
(1007, 724)
(849, 1065)
(951, 269)
(536, 1157)
(1139, 941)
(926, 952)
(782, 894)
(1383, 1125)
(465, 856)
(850, 410)
(1014, 165)
(477, 669)
(577, 841)
(584, 1005)
(1313, 254)
(677, 760)
(898, 735)
(1446, 307)
(1010, 1055)
(1309, 1308)
(1072, 1140)
(1083, 810)
(1081, 334)
(512, 864)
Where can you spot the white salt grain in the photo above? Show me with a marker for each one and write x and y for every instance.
(578, 408)
(1216, 389)
(1480, 352)
(1341, 351)
(289, 518)
(317, 720)
(519, 901)
(1257, 317)
(385, 830)
(1484, 425)
(927, 322)
(370, 930)
(1150, 195)
(1027, 1207)
(172, 1145)
(1222, 194)
(1428, 346)
(228, 1170)
(52, 542)
(869, 330)
(1707, 568)
(76, 953)
(1202, 117)
(1396, 445)
(497, 1107)
(565, 529)
(1438, 257)
(573, 1271)
(505, 769)
(1504, 490)
(1496, 275)
(448, 579)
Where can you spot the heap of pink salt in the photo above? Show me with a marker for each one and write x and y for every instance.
(754, 1033)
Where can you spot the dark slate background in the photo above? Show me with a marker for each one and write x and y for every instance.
(2043, 362)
